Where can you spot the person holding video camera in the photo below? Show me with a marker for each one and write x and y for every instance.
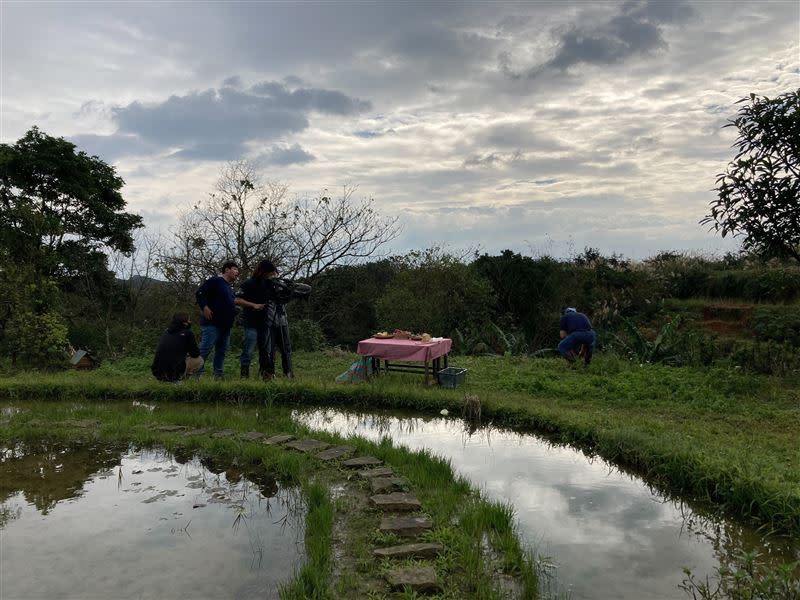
(284, 291)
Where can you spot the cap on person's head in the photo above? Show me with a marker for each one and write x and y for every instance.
(229, 265)
(569, 309)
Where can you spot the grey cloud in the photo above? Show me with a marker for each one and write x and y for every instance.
(211, 151)
(367, 134)
(326, 101)
(225, 116)
(660, 11)
(636, 31)
(215, 124)
(665, 89)
(284, 155)
(111, 147)
(518, 135)
(442, 45)
(491, 159)
(513, 23)
(234, 81)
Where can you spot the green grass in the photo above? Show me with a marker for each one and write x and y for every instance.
(723, 436)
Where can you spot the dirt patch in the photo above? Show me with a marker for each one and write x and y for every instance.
(738, 314)
(726, 327)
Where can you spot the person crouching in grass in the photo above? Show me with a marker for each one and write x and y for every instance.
(177, 355)
(576, 334)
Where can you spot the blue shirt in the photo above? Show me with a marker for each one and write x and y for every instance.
(575, 321)
(217, 294)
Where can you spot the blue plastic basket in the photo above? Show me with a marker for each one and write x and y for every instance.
(451, 377)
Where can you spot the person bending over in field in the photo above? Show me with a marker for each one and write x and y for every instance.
(177, 355)
(576, 335)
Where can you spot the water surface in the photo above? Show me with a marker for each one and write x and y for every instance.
(116, 522)
(610, 535)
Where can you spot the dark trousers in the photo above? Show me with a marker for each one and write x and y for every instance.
(257, 338)
(279, 339)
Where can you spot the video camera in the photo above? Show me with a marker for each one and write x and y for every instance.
(287, 289)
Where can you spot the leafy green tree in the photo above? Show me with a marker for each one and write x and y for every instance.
(759, 194)
(60, 208)
(436, 293)
(33, 331)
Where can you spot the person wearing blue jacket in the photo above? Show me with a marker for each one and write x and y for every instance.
(218, 305)
(576, 331)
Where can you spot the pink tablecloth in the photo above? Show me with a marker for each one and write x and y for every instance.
(404, 349)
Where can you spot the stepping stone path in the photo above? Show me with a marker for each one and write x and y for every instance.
(362, 461)
(276, 440)
(337, 452)
(396, 501)
(83, 424)
(417, 579)
(387, 497)
(418, 550)
(376, 472)
(408, 527)
(384, 485)
(307, 445)
(203, 431)
(223, 433)
(170, 428)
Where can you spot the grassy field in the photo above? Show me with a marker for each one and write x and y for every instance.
(719, 435)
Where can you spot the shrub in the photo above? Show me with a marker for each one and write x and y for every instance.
(777, 323)
(38, 340)
(306, 335)
(435, 293)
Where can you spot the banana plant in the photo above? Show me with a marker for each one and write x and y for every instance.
(661, 350)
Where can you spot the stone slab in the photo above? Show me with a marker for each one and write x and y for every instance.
(308, 445)
(281, 438)
(202, 431)
(418, 550)
(223, 433)
(362, 461)
(405, 526)
(83, 423)
(337, 452)
(377, 472)
(385, 485)
(399, 501)
(417, 579)
(252, 436)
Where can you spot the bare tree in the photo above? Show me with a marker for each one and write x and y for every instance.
(248, 220)
(332, 231)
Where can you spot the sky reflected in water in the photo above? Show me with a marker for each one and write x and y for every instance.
(111, 522)
(609, 534)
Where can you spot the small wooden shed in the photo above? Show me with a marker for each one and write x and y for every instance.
(83, 361)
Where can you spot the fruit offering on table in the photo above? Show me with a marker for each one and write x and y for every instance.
(421, 337)
(401, 334)
(383, 335)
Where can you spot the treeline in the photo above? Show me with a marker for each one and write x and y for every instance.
(505, 303)
(512, 303)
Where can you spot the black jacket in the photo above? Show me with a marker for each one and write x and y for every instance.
(176, 342)
(274, 294)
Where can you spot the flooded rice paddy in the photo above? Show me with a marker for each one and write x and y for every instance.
(120, 522)
(609, 534)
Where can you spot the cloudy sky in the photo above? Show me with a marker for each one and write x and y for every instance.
(543, 127)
